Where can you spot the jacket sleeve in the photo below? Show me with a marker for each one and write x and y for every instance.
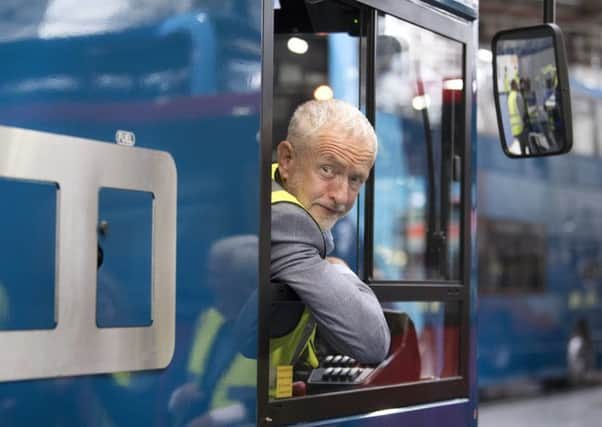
(347, 311)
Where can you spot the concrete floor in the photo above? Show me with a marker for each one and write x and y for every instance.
(566, 408)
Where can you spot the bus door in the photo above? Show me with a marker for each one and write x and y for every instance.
(408, 67)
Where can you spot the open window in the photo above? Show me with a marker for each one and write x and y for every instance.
(409, 236)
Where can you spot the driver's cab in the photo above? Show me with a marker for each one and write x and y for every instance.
(404, 238)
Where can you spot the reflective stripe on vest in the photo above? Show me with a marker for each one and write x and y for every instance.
(283, 195)
(207, 327)
(516, 121)
(240, 373)
(288, 349)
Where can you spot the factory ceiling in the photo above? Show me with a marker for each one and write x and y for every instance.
(580, 20)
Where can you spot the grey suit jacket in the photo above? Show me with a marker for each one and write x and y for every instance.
(345, 308)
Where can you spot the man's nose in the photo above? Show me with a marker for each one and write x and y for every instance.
(339, 191)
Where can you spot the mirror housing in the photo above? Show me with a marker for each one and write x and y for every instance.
(531, 91)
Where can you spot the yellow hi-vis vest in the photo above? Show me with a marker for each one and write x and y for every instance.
(287, 350)
(516, 121)
(241, 372)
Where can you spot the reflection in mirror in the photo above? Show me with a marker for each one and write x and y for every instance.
(531, 92)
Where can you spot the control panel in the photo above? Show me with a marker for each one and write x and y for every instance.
(338, 370)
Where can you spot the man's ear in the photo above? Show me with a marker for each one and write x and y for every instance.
(286, 156)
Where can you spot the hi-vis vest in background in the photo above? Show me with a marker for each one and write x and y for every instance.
(238, 373)
(298, 344)
(516, 121)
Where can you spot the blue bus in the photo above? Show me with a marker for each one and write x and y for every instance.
(540, 316)
(136, 139)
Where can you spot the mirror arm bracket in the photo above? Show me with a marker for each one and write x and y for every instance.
(549, 11)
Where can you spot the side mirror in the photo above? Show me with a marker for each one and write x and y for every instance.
(531, 91)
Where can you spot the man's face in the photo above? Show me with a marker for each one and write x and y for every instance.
(326, 175)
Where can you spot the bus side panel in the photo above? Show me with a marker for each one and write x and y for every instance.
(535, 296)
(451, 414)
(182, 81)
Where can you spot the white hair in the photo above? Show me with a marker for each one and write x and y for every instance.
(312, 117)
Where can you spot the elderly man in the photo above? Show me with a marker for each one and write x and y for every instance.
(327, 156)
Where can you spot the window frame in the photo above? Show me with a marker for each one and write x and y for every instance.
(368, 208)
(358, 401)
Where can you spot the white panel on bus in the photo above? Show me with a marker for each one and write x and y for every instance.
(80, 167)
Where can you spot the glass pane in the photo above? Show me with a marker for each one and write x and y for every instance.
(124, 264)
(27, 276)
(420, 128)
(425, 339)
(314, 65)
(437, 328)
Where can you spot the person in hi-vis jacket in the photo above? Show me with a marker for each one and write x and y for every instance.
(322, 165)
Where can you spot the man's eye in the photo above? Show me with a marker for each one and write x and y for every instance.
(356, 180)
(327, 170)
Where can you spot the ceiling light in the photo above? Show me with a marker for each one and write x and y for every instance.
(297, 45)
(421, 102)
(323, 93)
(453, 84)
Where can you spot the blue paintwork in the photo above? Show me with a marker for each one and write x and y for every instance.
(185, 84)
(186, 81)
(523, 335)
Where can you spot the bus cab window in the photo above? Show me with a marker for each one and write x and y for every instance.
(320, 52)
(316, 56)
(418, 94)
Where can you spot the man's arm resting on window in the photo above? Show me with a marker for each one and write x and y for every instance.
(347, 310)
